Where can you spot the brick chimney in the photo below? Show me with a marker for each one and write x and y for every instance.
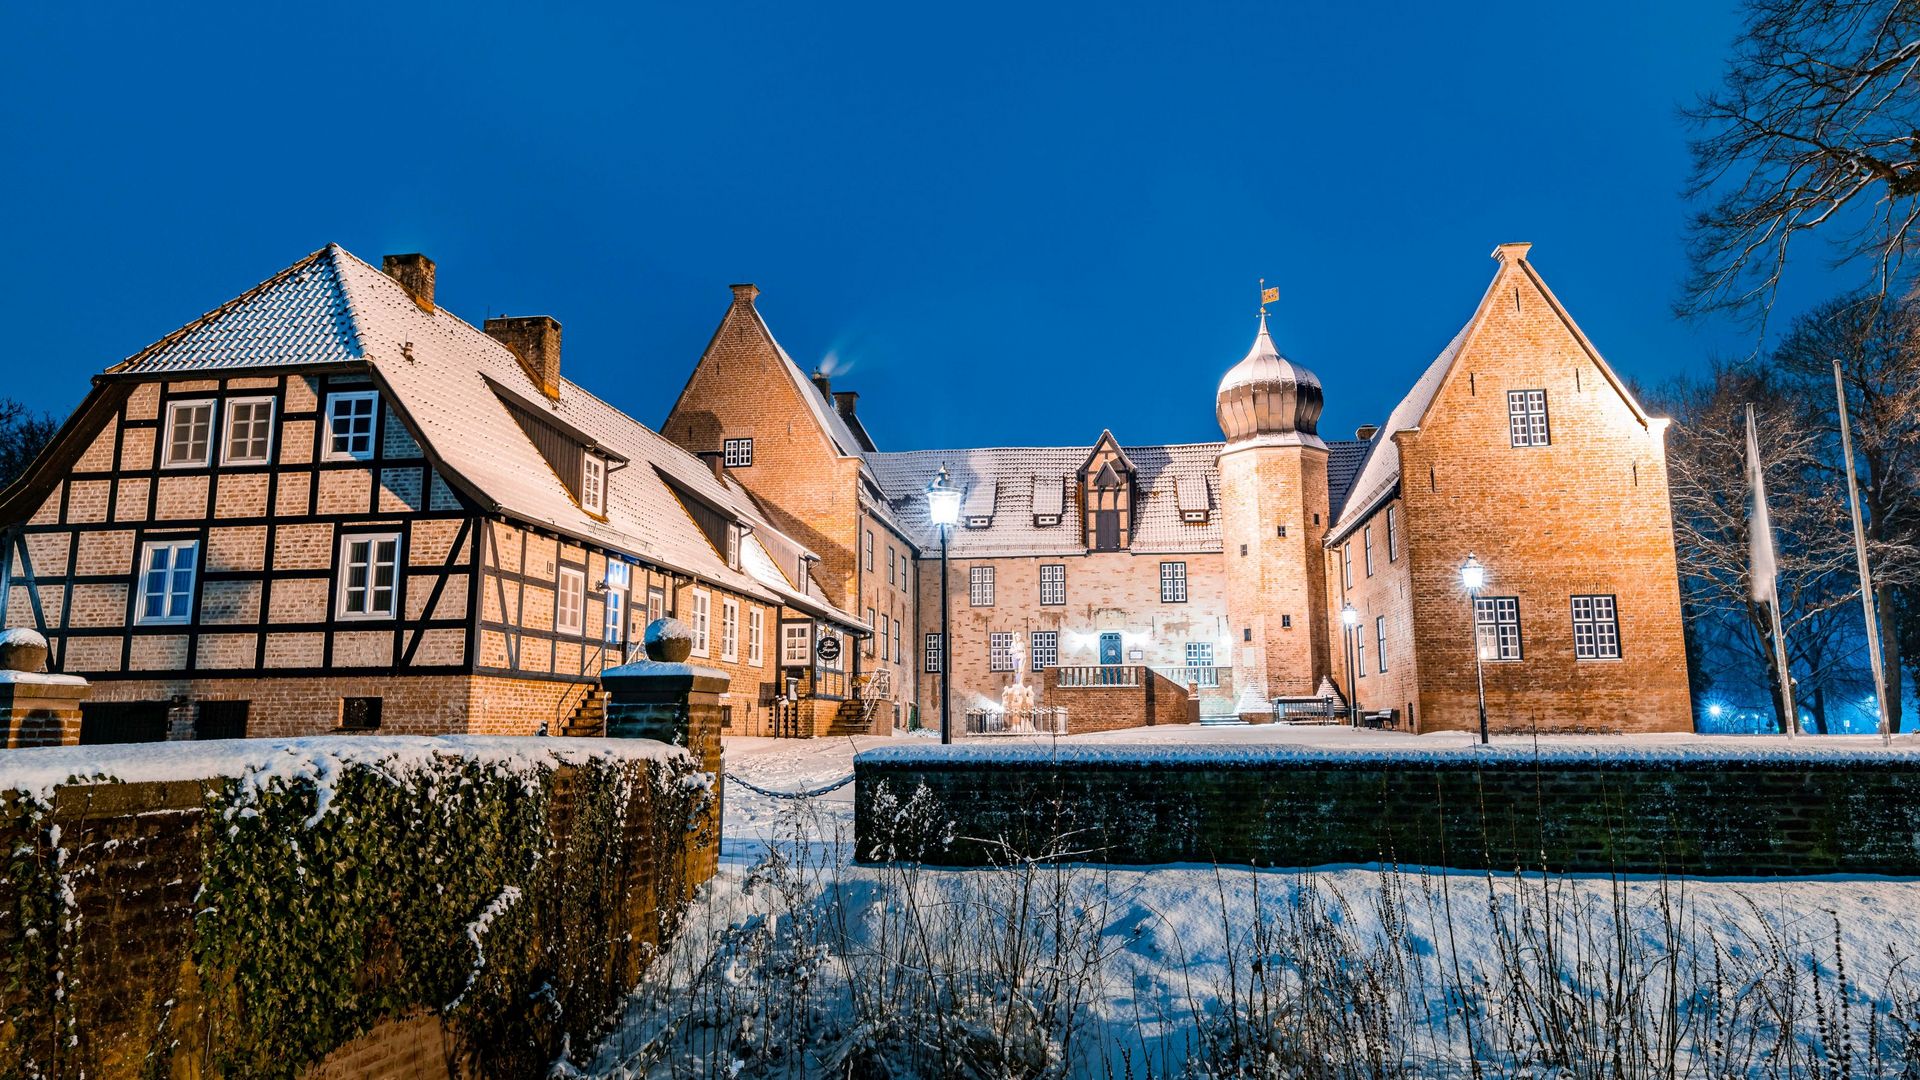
(535, 340)
(717, 461)
(825, 384)
(415, 274)
(744, 293)
(843, 402)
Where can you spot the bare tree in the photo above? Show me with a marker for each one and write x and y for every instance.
(1706, 464)
(1877, 342)
(23, 434)
(1816, 127)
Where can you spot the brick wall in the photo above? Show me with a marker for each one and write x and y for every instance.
(127, 992)
(1678, 813)
(1154, 699)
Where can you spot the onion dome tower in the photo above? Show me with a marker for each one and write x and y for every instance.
(1266, 396)
(1273, 514)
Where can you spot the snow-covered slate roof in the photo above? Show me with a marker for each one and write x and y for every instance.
(1049, 494)
(439, 368)
(301, 315)
(1381, 469)
(1016, 471)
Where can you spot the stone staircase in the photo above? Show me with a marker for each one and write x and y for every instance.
(589, 718)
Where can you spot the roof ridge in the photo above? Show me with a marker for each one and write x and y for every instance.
(333, 252)
(207, 319)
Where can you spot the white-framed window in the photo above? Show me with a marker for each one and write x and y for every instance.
(1527, 417)
(932, 651)
(1044, 648)
(1496, 621)
(1173, 583)
(189, 434)
(1366, 548)
(730, 630)
(756, 637)
(249, 432)
(886, 647)
(869, 563)
(351, 426)
(614, 630)
(737, 453)
(570, 602)
(369, 576)
(1596, 628)
(701, 621)
(656, 603)
(980, 586)
(1346, 564)
(1053, 584)
(733, 546)
(796, 644)
(1000, 652)
(870, 645)
(1380, 642)
(167, 569)
(593, 484)
(1393, 533)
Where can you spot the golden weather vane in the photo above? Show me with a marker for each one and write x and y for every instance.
(1267, 296)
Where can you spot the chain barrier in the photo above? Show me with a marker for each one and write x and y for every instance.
(772, 794)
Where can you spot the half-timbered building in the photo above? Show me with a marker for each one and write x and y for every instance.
(330, 505)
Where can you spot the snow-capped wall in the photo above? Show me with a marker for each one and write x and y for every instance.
(1735, 810)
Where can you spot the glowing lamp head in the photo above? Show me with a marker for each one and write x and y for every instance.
(943, 500)
(1473, 575)
(1714, 710)
(1349, 616)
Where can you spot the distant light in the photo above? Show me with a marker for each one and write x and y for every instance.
(1714, 710)
(1349, 616)
(1473, 575)
(943, 499)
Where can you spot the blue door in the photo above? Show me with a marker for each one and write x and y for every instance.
(1109, 648)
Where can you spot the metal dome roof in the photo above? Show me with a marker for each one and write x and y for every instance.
(1267, 394)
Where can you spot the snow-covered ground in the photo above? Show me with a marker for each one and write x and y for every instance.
(1180, 948)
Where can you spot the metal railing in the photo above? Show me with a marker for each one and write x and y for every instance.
(1313, 710)
(1100, 675)
(1042, 721)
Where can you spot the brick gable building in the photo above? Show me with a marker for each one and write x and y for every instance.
(1226, 567)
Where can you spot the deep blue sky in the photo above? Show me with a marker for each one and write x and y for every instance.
(1008, 224)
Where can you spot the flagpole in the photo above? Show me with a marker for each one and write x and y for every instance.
(1761, 560)
(1860, 551)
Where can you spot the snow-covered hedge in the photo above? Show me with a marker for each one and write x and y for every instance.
(316, 887)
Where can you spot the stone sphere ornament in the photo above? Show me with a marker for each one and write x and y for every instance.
(22, 649)
(669, 641)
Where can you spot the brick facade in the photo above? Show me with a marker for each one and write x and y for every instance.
(1586, 514)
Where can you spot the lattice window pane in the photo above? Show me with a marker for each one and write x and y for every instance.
(1000, 652)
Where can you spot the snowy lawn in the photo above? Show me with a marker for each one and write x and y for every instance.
(797, 963)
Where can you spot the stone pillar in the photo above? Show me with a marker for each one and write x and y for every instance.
(669, 700)
(36, 708)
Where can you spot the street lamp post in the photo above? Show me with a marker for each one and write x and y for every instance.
(1474, 577)
(943, 509)
(1349, 621)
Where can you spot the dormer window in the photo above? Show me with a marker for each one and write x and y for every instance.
(593, 484)
(1046, 519)
(1048, 500)
(977, 511)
